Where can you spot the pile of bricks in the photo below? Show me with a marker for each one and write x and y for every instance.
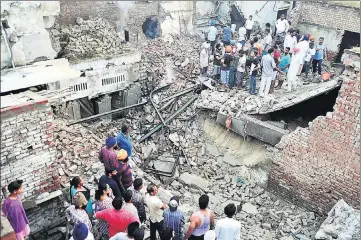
(27, 150)
(319, 165)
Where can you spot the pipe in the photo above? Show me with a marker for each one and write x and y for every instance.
(165, 106)
(107, 113)
(5, 36)
(178, 94)
(153, 104)
(170, 118)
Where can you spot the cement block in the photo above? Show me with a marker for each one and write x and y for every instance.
(134, 94)
(31, 47)
(74, 110)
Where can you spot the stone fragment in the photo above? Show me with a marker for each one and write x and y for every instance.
(194, 181)
(249, 208)
(61, 172)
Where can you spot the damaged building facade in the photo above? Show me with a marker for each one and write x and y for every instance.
(81, 58)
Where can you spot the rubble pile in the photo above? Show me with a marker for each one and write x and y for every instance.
(233, 102)
(343, 222)
(166, 55)
(91, 38)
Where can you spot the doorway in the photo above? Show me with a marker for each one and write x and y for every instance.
(349, 40)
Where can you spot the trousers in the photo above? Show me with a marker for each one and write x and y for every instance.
(265, 85)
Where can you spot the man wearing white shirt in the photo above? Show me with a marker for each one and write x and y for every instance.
(267, 42)
(282, 27)
(290, 41)
(249, 27)
(228, 228)
(242, 35)
(212, 34)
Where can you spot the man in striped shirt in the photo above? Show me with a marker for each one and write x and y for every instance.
(174, 218)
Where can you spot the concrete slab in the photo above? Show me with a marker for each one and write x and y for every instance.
(247, 125)
(31, 45)
(194, 181)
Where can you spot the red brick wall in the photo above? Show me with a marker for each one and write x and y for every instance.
(328, 15)
(319, 165)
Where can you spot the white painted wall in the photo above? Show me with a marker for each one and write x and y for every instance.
(177, 10)
(27, 24)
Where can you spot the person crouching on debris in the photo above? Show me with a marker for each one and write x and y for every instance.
(14, 211)
(124, 170)
(226, 63)
(296, 63)
(77, 185)
(107, 154)
(217, 62)
(204, 59)
(124, 141)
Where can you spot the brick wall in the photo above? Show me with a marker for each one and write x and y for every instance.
(319, 165)
(70, 10)
(327, 15)
(27, 152)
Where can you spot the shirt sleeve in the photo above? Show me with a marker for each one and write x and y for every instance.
(101, 214)
(159, 203)
(4, 209)
(273, 63)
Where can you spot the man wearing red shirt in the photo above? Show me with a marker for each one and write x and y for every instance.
(117, 218)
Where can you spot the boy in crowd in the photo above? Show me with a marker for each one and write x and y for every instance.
(14, 211)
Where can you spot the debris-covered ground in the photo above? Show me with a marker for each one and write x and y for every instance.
(201, 155)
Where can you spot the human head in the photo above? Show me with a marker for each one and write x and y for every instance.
(213, 22)
(250, 17)
(268, 25)
(102, 190)
(110, 142)
(77, 182)
(306, 38)
(241, 52)
(283, 16)
(122, 155)
(117, 203)
(233, 43)
(255, 61)
(138, 234)
(131, 228)
(321, 39)
(218, 46)
(109, 172)
(287, 50)
(230, 210)
(80, 232)
(138, 184)
(203, 201)
(128, 196)
(173, 203)
(255, 39)
(152, 190)
(79, 200)
(271, 50)
(125, 129)
(311, 45)
(16, 187)
(228, 49)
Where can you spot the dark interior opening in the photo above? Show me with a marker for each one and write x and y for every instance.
(236, 17)
(151, 28)
(349, 40)
(126, 35)
(303, 113)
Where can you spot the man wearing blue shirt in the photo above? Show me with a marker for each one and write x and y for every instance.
(284, 64)
(123, 140)
(319, 56)
(227, 35)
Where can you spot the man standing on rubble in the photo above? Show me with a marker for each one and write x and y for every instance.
(268, 67)
(227, 35)
(124, 141)
(212, 34)
(321, 53)
(249, 27)
(282, 27)
(204, 58)
(107, 154)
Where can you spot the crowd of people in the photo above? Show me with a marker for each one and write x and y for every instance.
(277, 58)
(118, 209)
